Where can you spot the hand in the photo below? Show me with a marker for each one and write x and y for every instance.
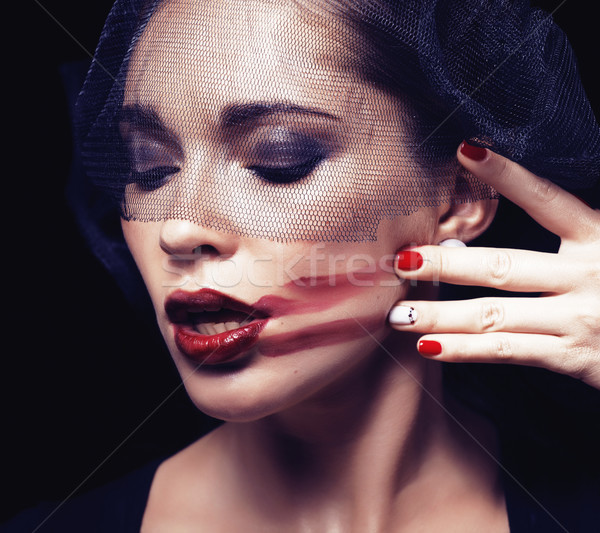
(559, 330)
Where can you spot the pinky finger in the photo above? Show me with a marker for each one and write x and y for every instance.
(546, 351)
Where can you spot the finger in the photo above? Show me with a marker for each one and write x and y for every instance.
(507, 269)
(484, 315)
(504, 348)
(554, 208)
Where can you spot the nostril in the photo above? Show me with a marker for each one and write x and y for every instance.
(184, 238)
(206, 250)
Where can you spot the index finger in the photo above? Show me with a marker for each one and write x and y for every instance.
(505, 269)
(551, 206)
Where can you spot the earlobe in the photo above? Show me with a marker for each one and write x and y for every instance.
(466, 221)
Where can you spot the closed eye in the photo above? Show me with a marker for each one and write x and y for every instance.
(285, 156)
(287, 174)
(154, 151)
(151, 161)
(153, 178)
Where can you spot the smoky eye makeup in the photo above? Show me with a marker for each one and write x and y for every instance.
(151, 161)
(277, 147)
(152, 151)
(280, 155)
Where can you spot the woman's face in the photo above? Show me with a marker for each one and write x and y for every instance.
(250, 90)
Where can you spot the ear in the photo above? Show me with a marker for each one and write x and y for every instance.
(466, 221)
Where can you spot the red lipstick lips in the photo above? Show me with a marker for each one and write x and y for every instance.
(212, 328)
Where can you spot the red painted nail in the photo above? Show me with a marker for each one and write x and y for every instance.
(475, 153)
(409, 260)
(430, 348)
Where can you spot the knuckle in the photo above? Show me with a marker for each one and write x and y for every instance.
(505, 169)
(432, 323)
(578, 354)
(580, 358)
(499, 266)
(592, 272)
(491, 315)
(544, 191)
(585, 317)
(441, 267)
(502, 349)
(588, 319)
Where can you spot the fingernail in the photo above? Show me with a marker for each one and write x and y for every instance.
(430, 348)
(409, 260)
(402, 315)
(475, 153)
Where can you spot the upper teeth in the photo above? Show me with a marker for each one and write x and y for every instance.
(213, 328)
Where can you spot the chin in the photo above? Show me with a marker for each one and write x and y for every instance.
(240, 407)
(265, 386)
(236, 414)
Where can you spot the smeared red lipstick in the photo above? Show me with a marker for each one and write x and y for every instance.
(188, 311)
(220, 348)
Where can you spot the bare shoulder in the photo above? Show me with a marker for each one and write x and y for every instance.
(183, 489)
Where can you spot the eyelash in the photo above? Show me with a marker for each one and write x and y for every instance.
(157, 177)
(290, 162)
(287, 174)
(154, 178)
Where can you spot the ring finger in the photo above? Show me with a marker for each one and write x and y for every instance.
(482, 315)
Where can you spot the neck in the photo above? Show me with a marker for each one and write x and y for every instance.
(381, 441)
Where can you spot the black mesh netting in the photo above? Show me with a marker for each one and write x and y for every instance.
(315, 120)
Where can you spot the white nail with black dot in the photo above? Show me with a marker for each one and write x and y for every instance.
(402, 315)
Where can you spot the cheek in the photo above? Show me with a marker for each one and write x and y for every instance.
(414, 230)
(330, 325)
(336, 297)
(327, 278)
(355, 285)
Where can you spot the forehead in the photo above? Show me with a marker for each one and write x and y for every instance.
(243, 50)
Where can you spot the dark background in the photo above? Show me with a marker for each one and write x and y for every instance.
(85, 380)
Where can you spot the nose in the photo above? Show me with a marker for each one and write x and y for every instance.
(182, 237)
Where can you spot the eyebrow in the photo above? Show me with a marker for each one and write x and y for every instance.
(145, 119)
(241, 114)
(233, 115)
(140, 114)
(135, 113)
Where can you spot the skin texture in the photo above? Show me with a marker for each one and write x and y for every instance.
(348, 435)
(558, 331)
(278, 97)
